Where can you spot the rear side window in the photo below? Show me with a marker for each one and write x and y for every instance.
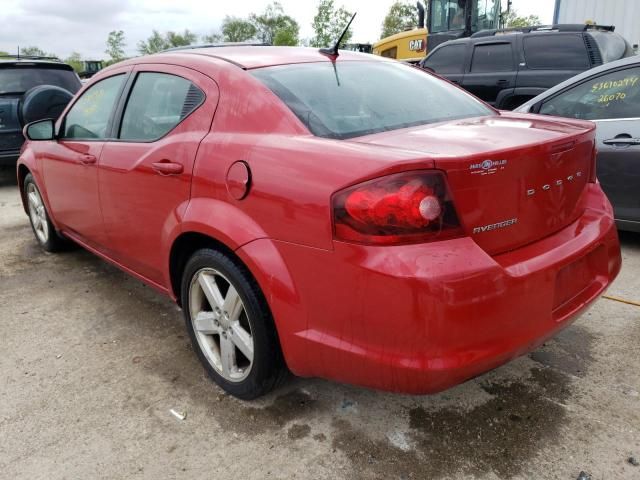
(493, 57)
(89, 117)
(157, 103)
(447, 59)
(556, 52)
(613, 95)
(349, 99)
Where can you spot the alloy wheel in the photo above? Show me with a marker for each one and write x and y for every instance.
(37, 213)
(221, 324)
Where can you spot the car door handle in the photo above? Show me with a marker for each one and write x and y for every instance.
(626, 141)
(502, 82)
(88, 159)
(167, 168)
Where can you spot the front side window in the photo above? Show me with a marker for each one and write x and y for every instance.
(89, 117)
(157, 103)
(494, 57)
(609, 96)
(447, 59)
(555, 51)
(349, 99)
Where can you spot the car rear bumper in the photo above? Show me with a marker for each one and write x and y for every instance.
(422, 318)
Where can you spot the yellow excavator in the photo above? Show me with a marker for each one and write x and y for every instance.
(445, 20)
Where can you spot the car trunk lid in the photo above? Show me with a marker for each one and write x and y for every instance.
(514, 178)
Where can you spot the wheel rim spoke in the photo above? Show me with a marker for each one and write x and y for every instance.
(232, 304)
(242, 339)
(211, 290)
(33, 200)
(227, 356)
(205, 323)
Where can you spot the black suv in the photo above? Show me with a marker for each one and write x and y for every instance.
(31, 88)
(505, 68)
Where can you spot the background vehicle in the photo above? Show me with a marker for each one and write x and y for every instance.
(451, 19)
(409, 46)
(31, 88)
(90, 68)
(505, 68)
(300, 217)
(446, 20)
(609, 96)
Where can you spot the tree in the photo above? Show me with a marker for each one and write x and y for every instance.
(287, 36)
(271, 22)
(213, 38)
(236, 29)
(512, 20)
(400, 17)
(115, 46)
(157, 42)
(329, 23)
(75, 60)
(35, 52)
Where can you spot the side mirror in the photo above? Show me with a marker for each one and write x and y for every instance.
(40, 130)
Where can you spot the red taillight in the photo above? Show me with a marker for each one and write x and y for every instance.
(407, 207)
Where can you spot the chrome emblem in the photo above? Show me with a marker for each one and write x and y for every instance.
(495, 226)
(557, 183)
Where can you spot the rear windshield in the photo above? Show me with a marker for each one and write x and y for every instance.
(349, 99)
(20, 79)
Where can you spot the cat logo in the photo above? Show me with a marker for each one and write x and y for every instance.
(416, 45)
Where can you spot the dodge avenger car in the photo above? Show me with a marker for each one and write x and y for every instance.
(305, 221)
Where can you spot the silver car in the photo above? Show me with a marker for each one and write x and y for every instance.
(609, 95)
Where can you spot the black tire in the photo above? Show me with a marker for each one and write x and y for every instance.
(267, 369)
(54, 241)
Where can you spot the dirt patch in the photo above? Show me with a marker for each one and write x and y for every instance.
(500, 436)
(297, 431)
(570, 351)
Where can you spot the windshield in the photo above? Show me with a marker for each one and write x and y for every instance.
(19, 79)
(349, 99)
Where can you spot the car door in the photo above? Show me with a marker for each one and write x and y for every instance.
(145, 172)
(69, 166)
(612, 100)
(492, 70)
(448, 61)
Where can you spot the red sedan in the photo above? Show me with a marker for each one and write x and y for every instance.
(346, 217)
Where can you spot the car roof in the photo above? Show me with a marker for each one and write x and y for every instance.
(581, 76)
(249, 56)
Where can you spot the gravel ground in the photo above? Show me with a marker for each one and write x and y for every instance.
(92, 362)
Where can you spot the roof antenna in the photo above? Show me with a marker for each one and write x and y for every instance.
(333, 51)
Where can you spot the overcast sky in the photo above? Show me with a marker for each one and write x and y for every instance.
(64, 26)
